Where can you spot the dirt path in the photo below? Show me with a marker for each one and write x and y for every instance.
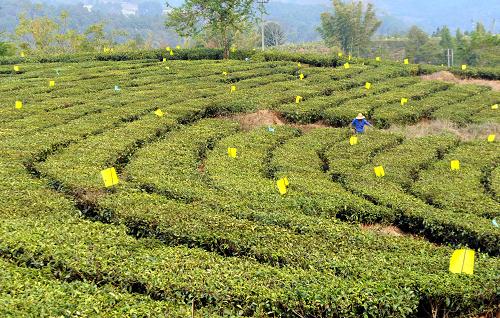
(450, 77)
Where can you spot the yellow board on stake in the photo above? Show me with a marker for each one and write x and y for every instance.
(171, 53)
(298, 99)
(299, 65)
(282, 185)
(347, 66)
(23, 54)
(109, 177)
(494, 106)
(233, 89)
(455, 165)
(379, 171)
(462, 262)
(224, 73)
(164, 59)
(159, 113)
(52, 83)
(378, 59)
(404, 101)
(349, 57)
(16, 68)
(19, 104)
(232, 152)
(406, 61)
(491, 138)
(168, 49)
(464, 67)
(368, 85)
(340, 54)
(353, 140)
(233, 50)
(178, 47)
(301, 76)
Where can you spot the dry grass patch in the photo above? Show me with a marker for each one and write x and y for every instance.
(433, 127)
(451, 78)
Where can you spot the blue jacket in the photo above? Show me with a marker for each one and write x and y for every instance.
(360, 125)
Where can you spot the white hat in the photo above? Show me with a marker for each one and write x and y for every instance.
(360, 116)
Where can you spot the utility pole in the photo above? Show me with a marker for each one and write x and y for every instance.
(450, 56)
(262, 2)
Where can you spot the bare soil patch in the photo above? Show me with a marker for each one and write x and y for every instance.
(428, 127)
(450, 77)
(267, 117)
(390, 230)
(260, 118)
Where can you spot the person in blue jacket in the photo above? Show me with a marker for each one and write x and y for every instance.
(359, 123)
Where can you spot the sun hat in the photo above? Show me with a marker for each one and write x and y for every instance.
(360, 116)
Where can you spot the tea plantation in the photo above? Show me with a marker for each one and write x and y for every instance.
(184, 229)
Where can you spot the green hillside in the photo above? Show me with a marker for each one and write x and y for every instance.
(187, 230)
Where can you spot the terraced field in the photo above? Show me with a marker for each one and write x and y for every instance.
(191, 231)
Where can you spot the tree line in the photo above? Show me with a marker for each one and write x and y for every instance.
(349, 27)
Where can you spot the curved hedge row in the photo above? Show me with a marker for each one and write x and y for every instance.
(188, 226)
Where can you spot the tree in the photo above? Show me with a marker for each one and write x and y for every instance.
(416, 39)
(37, 33)
(446, 41)
(351, 26)
(274, 34)
(221, 19)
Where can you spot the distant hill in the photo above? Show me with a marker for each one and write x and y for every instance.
(430, 14)
(300, 18)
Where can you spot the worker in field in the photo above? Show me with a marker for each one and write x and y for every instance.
(358, 124)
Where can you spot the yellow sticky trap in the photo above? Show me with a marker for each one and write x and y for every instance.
(110, 177)
(282, 185)
(298, 99)
(455, 165)
(164, 59)
(299, 65)
(171, 53)
(159, 113)
(349, 57)
(233, 50)
(224, 73)
(491, 138)
(464, 67)
(16, 68)
(178, 47)
(19, 104)
(378, 59)
(52, 83)
(168, 49)
(462, 262)
(494, 106)
(232, 152)
(340, 54)
(404, 101)
(233, 89)
(301, 76)
(379, 171)
(23, 54)
(347, 65)
(353, 140)
(368, 85)
(107, 50)
(406, 61)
